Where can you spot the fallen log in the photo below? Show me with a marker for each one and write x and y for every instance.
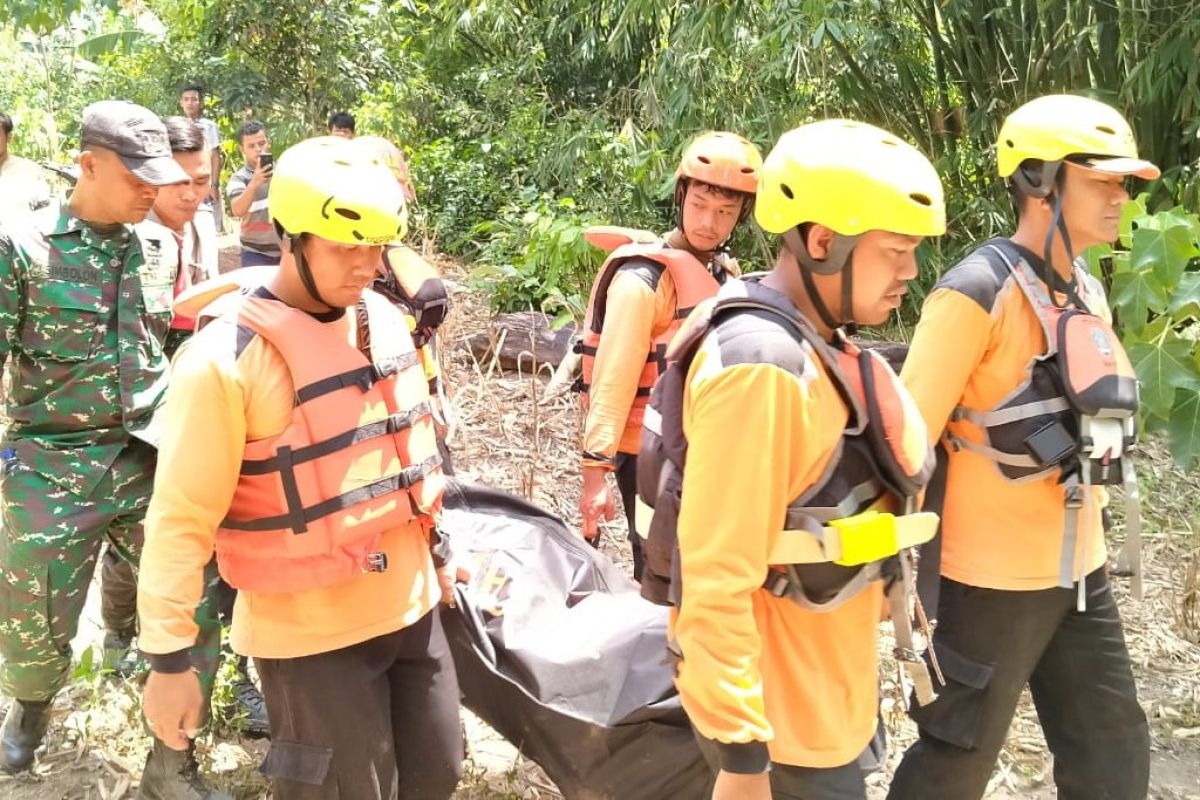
(522, 341)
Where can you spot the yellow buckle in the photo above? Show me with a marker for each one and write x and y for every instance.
(866, 537)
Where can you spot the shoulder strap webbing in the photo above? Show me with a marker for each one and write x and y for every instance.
(743, 295)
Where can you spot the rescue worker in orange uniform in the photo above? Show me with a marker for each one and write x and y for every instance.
(994, 367)
(804, 462)
(300, 446)
(404, 277)
(639, 298)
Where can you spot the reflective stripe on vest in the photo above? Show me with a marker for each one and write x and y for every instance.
(357, 459)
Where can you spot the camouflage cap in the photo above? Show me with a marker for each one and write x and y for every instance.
(137, 136)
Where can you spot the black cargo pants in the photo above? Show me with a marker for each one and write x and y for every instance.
(992, 643)
(789, 782)
(626, 469)
(374, 721)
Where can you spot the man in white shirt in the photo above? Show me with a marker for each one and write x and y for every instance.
(191, 100)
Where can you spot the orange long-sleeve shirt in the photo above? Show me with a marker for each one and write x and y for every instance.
(760, 673)
(641, 305)
(224, 393)
(973, 346)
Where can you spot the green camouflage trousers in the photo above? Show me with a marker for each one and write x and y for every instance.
(118, 611)
(50, 540)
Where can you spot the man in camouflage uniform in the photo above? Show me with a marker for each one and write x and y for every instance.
(172, 221)
(85, 305)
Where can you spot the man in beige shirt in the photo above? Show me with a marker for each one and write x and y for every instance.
(22, 186)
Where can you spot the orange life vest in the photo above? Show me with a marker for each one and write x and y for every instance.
(854, 526)
(358, 458)
(694, 283)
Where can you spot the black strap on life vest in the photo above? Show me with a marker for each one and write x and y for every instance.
(390, 425)
(363, 377)
(297, 517)
(580, 386)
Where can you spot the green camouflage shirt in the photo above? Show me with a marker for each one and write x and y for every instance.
(84, 312)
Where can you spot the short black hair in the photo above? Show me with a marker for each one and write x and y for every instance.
(249, 129)
(193, 87)
(1030, 172)
(342, 119)
(184, 135)
(6, 123)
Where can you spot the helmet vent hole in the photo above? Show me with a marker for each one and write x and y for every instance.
(747, 170)
(1106, 129)
(923, 199)
(348, 214)
(787, 191)
(1009, 143)
(704, 159)
(890, 142)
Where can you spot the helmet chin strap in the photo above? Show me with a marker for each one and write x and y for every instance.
(306, 276)
(840, 259)
(1048, 180)
(848, 323)
(1059, 225)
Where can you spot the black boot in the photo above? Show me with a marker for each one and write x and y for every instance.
(24, 729)
(249, 712)
(174, 775)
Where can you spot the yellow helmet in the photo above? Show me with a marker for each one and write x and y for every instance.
(1056, 126)
(722, 159)
(852, 178)
(335, 189)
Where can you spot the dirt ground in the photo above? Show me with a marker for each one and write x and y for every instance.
(512, 435)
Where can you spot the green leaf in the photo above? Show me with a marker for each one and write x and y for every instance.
(1095, 256)
(1181, 216)
(1121, 261)
(562, 319)
(1184, 428)
(83, 669)
(110, 43)
(1135, 294)
(1131, 211)
(1166, 251)
(1187, 292)
(1163, 366)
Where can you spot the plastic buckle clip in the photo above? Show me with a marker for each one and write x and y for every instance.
(367, 378)
(375, 562)
(777, 583)
(866, 537)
